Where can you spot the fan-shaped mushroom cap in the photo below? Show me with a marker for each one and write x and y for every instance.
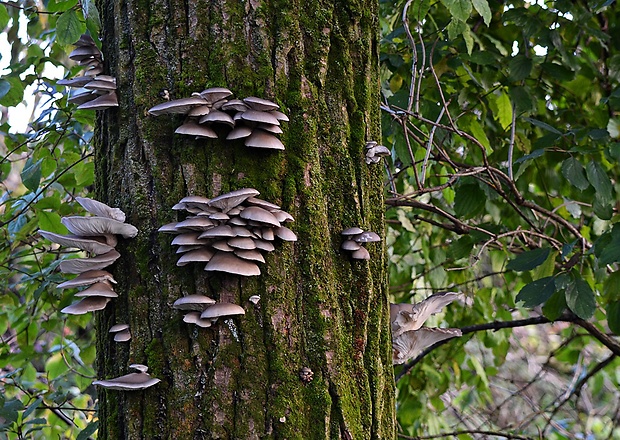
(279, 115)
(197, 202)
(128, 382)
(240, 132)
(250, 254)
(254, 299)
(201, 255)
(366, 237)
(189, 239)
(88, 304)
(78, 81)
(88, 278)
(101, 82)
(100, 288)
(361, 254)
(200, 110)
(171, 228)
(255, 201)
(188, 248)
(260, 117)
(225, 202)
(241, 243)
(95, 226)
(378, 150)
(264, 245)
(235, 105)
(194, 318)
(193, 302)
(259, 214)
(101, 103)
(285, 234)
(217, 232)
(217, 117)
(268, 234)
(262, 139)
(197, 223)
(219, 216)
(350, 245)
(260, 104)
(82, 97)
(88, 244)
(177, 106)
(101, 209)
(122, 336)
(228, 262)
(352, 231)
(79, 265)
(242, 231)
(270, 128)
(191, 128)
(222, 309)
(221, 245)
(411, 343)
(407, 317)
(214, 94)
(118, 327)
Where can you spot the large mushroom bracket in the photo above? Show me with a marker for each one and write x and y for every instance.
(95, 91)
(131, 381)
(97, 236)
(228, 234)
(409, 338)
(212, 111)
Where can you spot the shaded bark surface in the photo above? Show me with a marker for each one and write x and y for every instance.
(318, 309)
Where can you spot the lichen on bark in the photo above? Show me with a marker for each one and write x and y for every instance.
(318, 309)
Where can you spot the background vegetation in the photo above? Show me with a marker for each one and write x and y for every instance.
(503, 120)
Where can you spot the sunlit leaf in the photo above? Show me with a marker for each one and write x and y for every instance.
(69, 27)
(460, 9)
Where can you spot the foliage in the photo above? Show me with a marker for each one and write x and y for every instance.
(504, 129)
(503, 120)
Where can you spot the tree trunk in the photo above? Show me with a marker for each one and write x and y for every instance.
(318, 309)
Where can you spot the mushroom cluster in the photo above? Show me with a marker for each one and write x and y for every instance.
(212, 112)
(409, 338)
(229, 232)
(375, 152)
(96, 91)
(97, 236)
(354, 239)
(203, 311)
(131, 381)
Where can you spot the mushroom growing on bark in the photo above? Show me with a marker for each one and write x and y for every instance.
(131, 381)
(375, 152)
(409, 338)
(354, 240)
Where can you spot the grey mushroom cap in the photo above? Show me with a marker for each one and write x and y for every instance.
(222, 309)
(101, 103)
(250, 254)
(221, 245)
(96, 226)
(189, 239)
(352, 231)
(361, 254)
(88, 304)
(118, 327)
(411, 343)
(200, 110)
(255, 201)
(197, 223)
(171, 228)
(194, 318)
(274, 129)
(285, 234)
(240, 132)
(140, 368)
(245, 243)
(268, 234)
(264, 245)
(225, 202)
(230, 263)
(217, 117)
(366, 237)
(122, 336)
(260, 104)
(100, 288)
(254, 299)
(191, 128)
(193, 302)
(85, 51)
(219, 216)
(350, 245)
(101, 209)
(200, 255)
(260, 117)
(88, 278)
(258, 214)
(78, 81)
(379, 150)
(101, 83)
(82, 96)
(197, 202)
(128, 382)
(214, 94)
(88, 244)
(279, 115)
(217, 232)
(262, 139)
(177, 106)
(80, 265)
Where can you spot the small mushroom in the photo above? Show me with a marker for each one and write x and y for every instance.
(101, 209)
(412, 342)
(177, 106)
(260, 104)
(129, 382)
(121, 332)
(80, 265)
(193, 303)
(191, 128)
(221, 310)
(254, 299)
(88, 304)
(262, 139)
(101, 288)
(88, 278)
(360, 254)
(228, 201)
(194, 318)
(100, 103)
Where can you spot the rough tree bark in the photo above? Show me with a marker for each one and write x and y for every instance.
(318, 309)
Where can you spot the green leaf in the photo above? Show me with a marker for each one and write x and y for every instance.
(599, 179)
(611, 251)
(555, 306)
(536, 292)
(611, 286)
(502, 109)
(519, 68)
(478, 132)
(613, 316)
(460, 248)
(459, 9)
(469, 201)
(419, 9)
(543, 125)
(482, 6)
(5, 86)
(558, 72)
(529, 260)
(69, 27)
(91, 12)
(60, 5)
(4, 17)
(88, 431)
(14, 95)
(50, 221)
(31, 174)
(34, 405)
(573, 171)
(580, 299)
